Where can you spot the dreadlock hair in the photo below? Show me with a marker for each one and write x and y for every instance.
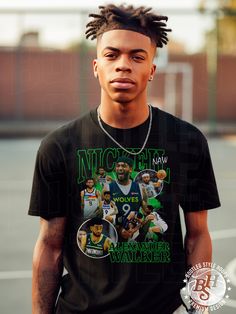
(139, 19)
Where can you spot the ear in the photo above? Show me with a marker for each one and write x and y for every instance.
(95, 68)
(153, 69)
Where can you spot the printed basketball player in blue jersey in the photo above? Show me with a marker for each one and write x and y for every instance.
(127, 194)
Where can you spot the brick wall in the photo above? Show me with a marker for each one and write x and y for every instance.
(57, 85)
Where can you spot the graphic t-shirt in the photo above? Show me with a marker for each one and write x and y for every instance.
(143, 271)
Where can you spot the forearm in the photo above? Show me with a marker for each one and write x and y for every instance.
(47, 272)
(198, 248)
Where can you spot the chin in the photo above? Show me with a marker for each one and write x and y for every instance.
(122, 99)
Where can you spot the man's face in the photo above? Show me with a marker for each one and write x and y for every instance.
(124, 65)
(101, 171)
(97, 230)
(90, 184)
(107, 197)
(146, 179)
(81, 234)
(123, 171)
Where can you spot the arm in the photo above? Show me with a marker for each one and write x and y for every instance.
(99, 210)
(155, 229)
(83, 243)
(47, 265)
(82, 199)
(106, 187)
(115, 209)
(160, 224)
(198, 247)
(107, 244)
(109, 178)
(99, 199)
(144, 194)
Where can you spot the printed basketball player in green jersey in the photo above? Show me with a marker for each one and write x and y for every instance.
(95, 244)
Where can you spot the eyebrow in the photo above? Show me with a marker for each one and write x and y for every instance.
(131, 51)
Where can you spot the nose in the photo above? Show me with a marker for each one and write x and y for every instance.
(123, 64)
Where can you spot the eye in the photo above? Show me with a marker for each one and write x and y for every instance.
(110, 55)
(138, 58)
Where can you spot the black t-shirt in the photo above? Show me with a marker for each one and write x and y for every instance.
(118, 270)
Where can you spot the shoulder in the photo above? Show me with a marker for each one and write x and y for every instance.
(106, 239)
(176, 125)
(112, 184)
(185, 135)
(62, 138)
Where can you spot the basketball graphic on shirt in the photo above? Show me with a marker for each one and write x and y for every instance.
(149, 180)
(91, 203)
(95, 236)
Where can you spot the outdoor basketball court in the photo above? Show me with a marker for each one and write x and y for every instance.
(19, 231)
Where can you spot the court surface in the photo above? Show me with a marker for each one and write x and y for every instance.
(19, 231)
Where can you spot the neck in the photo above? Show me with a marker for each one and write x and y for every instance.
(125, 182)
(96, 238)
(90, 189)
(124, 115)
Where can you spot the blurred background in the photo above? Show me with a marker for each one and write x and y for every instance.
(46, 79)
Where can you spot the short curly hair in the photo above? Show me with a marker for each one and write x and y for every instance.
(140, 20)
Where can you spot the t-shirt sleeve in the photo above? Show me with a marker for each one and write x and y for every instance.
(200, 189)
(49, 195)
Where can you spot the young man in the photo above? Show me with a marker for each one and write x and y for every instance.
(122, 125)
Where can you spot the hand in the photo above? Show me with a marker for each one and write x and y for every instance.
(150, 217)
(125, 234)
(131, 216)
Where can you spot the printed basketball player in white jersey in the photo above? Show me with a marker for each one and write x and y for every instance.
(149, 185)
(109, 207)
(91, 200)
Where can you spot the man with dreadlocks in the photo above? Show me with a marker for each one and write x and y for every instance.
(137, 277)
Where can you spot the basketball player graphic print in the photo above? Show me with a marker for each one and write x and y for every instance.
(91, 200)
(127, 194)
(95, 236)
(153, 183)
(109, 207)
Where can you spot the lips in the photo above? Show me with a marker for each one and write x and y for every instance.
(122, 83)
(120, 174)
